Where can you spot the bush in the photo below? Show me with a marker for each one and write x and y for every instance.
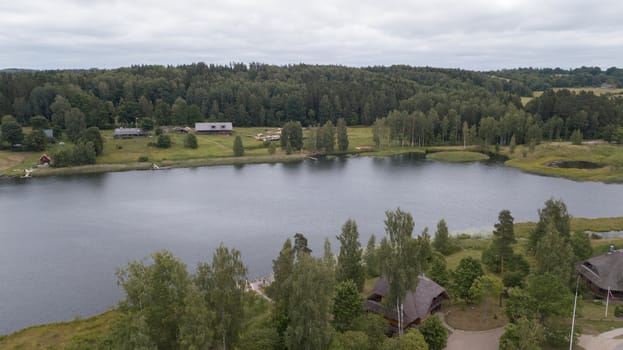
(513, 279)
(618, 311)
(147, 124)
(463, 236)
(272, 148)
(159, 131)
(190, 141)
(39, 122)
(164, 141)
(93, 135)
(11, 132)
(238, 147)
(81, 154)
(36, 140)
(576, 137)
(435, 334)
(143, 158)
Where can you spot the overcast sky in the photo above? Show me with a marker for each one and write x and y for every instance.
(479, 35)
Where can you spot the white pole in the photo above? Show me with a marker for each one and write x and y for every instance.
(398, 314)
(607, 301)
(575, 303)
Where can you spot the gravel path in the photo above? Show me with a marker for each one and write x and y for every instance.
(484, 340)
(481, 340)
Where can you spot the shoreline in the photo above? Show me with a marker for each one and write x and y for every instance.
(596, 225)
(608, 173)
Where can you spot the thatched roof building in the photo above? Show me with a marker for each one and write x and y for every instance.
(603, 272)
(418, 305)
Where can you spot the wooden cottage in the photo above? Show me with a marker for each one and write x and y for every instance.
(418, 305)
(129, 132)
(225, 128)
(603, 272)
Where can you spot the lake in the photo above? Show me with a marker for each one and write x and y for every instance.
(63, 237)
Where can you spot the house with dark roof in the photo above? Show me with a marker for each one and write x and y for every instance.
(417, 305)
(603, 272)
(225, 128)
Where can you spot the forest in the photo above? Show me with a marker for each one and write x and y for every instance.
(409, 105)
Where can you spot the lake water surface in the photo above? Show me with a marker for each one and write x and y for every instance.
(61, 238)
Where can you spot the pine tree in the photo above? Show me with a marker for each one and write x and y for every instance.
(238, 147)
(441, 241)
(342, 135)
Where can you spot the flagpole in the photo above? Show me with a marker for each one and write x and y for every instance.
(607, 300)
(575, 303)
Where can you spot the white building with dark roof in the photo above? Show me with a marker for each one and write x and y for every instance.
(223, 128)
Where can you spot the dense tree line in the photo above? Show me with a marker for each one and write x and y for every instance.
(408, 106)
(546, 78)
(248, 95)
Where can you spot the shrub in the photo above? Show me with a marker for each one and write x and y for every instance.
(147, 124)
(618, 311)
(93, 135)
(82, 153)
(39, 122)
(164, 141)
(238, 147)
(272, 148)
(143, 158)
(36, 140)
(435, 334)
(190, 141)
(576, 137)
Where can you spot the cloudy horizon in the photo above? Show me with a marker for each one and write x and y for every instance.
(476, 35)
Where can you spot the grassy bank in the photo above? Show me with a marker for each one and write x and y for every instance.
(608, 158)
(457, 156)
(62, 335)
(137, 154)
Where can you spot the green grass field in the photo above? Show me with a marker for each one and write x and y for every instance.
(124, 154)
(594, 90)
(457, 156)
(61, 335)
(609, 157)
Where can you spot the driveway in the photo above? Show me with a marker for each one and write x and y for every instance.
(603, 341)
(483, 340)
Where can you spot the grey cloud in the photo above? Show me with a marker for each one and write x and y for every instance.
(476, 34)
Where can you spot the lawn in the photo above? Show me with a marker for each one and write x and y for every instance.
(594, 90)
(457, 156)
(124, 154)
(60, 335)
(592, 320)
(475, 317)
(609, 157)
(9, 159)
